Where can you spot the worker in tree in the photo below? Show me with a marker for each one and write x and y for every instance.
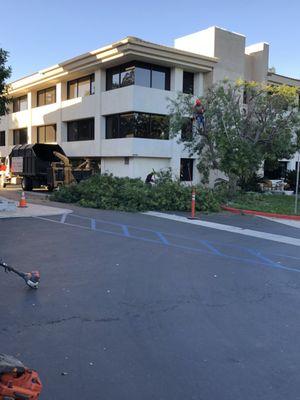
(199, 113)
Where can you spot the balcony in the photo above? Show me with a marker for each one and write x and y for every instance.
(137, 147)
(135, 98)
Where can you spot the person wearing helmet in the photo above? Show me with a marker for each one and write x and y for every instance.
(199, 113)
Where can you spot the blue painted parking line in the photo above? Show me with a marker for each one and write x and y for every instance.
(215, 248)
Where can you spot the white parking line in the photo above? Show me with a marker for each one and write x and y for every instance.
(228, 228)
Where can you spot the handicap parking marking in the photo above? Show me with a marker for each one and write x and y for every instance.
(228, 228)
(227, 251)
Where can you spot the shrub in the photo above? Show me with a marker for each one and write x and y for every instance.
(126, 194)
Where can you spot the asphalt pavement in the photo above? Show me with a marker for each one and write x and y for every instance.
(135, 307)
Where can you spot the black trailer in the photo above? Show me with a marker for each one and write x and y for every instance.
(41, 165)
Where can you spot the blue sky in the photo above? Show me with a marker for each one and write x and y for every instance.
(41, 33)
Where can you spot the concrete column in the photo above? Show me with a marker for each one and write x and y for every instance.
(198, 84)
(59, 114)
(98, 90)
(29, 122)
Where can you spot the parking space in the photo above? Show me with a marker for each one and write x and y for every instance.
(135, 307)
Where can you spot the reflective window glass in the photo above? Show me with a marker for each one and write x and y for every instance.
(127, 125)
(72, 89)
(142, 76)
(158, 79)
(84, 87)
(142, 125)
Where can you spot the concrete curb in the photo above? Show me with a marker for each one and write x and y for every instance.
(260, 213)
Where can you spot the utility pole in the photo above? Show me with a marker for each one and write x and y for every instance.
(297, 183)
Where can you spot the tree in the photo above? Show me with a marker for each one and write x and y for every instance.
(5, 73)
(236, 137)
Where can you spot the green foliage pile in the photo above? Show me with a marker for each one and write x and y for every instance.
(126, 194)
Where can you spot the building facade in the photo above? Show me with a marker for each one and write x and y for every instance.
(111, 104)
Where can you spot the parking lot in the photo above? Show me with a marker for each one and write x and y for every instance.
(136, 307)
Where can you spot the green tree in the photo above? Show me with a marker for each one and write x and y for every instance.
(5, 73)
(245, 124)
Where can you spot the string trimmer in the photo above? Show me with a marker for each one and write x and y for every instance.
(32, 278)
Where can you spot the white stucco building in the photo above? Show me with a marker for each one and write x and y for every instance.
(111, 104)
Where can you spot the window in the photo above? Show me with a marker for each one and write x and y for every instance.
(81, 87)
(186, 169)
(2, 138)
(20, 136)
(82, 129)
(139, 125)
(46, 134)
(20, 104)
(138, 73)
(187, 129)
(188, 82)
(46, 96)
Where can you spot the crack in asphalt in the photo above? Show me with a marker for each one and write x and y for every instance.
(60, 321)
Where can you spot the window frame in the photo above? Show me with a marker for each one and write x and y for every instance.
(118, 70)
(2, 138)
(45, 126)
(43, 92)
(16, 103)
(134, 114)
(190, 74)
(78, 121)
(190, 168)
(77, 80)
(18, 131)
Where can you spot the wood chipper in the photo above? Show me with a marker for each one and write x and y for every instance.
(45, 165)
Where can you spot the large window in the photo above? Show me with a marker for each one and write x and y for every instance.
(20, 136)
(138, 73)
(2, 138)
(186, 169)
(135, 124)
(188, 82)
(20, 104)
(46, 96)
(82, 129)
(46, 134)
(81, 87)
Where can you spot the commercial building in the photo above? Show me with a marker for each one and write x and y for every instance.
(111, 104)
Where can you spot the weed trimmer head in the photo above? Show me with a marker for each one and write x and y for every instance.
(32, 278)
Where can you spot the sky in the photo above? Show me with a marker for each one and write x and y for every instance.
(39, 33)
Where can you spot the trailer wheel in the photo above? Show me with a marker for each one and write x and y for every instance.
(27, 184)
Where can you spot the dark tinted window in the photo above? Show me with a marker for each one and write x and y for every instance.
(188, 82)
(186, 169)
(134, 124)
(20, 104)
(127, 125)
(46, 134)
(2, 138)
(159, 128)
(81, 87)
(112, 126)
(82, 129)
(138, 73)
(46, 96)
(20, 136)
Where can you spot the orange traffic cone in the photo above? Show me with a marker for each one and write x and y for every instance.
(22, 202)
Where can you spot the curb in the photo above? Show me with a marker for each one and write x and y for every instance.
(261, 213)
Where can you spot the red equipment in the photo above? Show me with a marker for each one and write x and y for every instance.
(18, 382)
